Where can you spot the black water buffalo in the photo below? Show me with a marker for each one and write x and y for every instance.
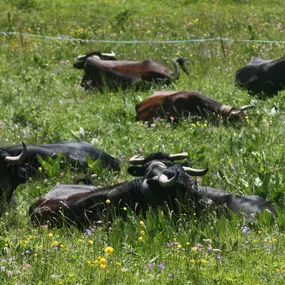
(19, 162)
(102, 70)
(200, 197)
(178, 104)
(248, 205)
(262, 76)
(163, 181)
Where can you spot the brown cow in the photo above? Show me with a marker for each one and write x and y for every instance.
(103, 70)
(177, 104)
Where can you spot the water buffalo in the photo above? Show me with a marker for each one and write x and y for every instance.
(102, 70)
(19, 162)
(178, 104)
(262, 76)
(198, 197)
(163, 181)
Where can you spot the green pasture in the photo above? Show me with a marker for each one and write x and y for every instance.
(42, 102)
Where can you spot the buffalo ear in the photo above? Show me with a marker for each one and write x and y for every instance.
(136, 170)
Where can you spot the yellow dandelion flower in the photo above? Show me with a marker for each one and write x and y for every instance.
(88, 262)
(99, 257)
(277, 269)
(142, 233)
(118, 263)
(259, 232)
(61, 246)
(125, 208)
(141, 223)
(54, 243)
(187, 243)
(50, 235)
(123, 270)
(108, 201)
(103, 260)
(60, 282)
(194, 249)
(179, 246)
(35, 254)
(108, 250)
(90, 242)
(40, 246)
(140, 239)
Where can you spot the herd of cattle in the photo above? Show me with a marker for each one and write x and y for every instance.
(161, 178)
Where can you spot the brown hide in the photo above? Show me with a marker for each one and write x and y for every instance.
(179, 104)
(144, 69)
(114, 74)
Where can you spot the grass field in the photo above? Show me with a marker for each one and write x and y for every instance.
(42, 102)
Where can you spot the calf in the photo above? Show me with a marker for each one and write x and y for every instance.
(182, 104)
(103, 71)
(262, 76)
(163, 182)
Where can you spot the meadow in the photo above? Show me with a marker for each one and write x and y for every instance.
(42, 102)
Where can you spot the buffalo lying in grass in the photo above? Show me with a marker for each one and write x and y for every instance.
(185, 103)
(262, 76)
(103, 70)
(19, 162)
(163, 182)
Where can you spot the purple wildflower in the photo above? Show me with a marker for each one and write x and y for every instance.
(161, 266)
(150, 265)
(9, 273)
(172, 243)
(219, 257)
(157, 118)
(244, 229)
(141, 150)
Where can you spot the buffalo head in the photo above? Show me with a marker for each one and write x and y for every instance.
(11, 173)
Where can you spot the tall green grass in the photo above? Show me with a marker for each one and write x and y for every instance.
(41, 102)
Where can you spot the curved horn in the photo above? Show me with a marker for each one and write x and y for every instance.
(136, 160)
(246, 107)
(81, 57)
(195, 172)
(178, 156)
(112, 54)
(165, 182)
(19, 158)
